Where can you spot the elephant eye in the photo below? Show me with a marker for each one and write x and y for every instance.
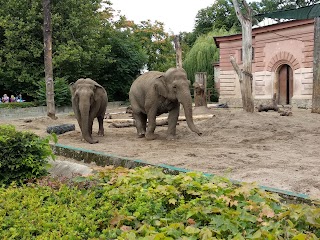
(174, 88)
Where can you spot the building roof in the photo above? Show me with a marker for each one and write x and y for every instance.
(306, 12)
(264, 29)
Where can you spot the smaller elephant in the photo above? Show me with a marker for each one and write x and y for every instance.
(154, 93)
(89, 101)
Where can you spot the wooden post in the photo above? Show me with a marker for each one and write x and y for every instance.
(47, 35)
(200, 89)
(178, 52)
(316, 68)
(245, 74)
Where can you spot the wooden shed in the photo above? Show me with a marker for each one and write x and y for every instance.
(282, 64)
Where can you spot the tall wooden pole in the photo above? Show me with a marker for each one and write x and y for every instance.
(178, 52)
(47, 35)
(245, 74)
(316, 68)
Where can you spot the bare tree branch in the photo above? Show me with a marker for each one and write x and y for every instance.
(238, 11)
(248, 9)
(236, 67)
(245, 74)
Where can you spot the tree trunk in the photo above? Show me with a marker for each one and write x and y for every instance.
(316, 68)
(178, 52)
(245, 75)
(200, 89)
(47, 35)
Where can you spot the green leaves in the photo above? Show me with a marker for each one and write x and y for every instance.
(23, 155)
(145, 203)
(62, 96)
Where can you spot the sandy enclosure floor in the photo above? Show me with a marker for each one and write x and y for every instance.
(275, 151)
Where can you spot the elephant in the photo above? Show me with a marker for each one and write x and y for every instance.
(89, 101)
(154, 93)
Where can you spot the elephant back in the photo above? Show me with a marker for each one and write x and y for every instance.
(145, 80)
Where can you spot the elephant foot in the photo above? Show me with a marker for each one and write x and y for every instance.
(172, 137)
(101, 133)
(141, 135)
(151, 136)
(91, 141)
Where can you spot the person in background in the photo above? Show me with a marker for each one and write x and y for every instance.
(12, 98)
(19, 98)
(5, 98)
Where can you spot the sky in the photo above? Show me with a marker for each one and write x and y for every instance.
(177, 15)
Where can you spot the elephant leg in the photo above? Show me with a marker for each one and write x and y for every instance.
(90, 126)
(101, 129)
(141, 123)
(77, 115)
(172, 122)
(152, 114)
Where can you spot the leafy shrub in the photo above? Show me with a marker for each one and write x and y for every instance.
(62, 95)
(145, 203)
(23, 155)
(17, 105)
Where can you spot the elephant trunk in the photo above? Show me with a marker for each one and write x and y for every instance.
(84, 112)
(186, 102)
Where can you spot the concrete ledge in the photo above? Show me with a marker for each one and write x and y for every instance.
(11, 113)
(16, 113)
(104, 159)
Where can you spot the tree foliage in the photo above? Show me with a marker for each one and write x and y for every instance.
(145, 203)
(221, 13)
(23, 155)
(21, 45)
(202, 55)
(155, 42)
(85, 44)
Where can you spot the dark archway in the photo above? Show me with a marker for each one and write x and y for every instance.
(285, 89)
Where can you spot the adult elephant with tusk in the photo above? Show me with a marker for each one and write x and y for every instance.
(89, 101)
(154, 93)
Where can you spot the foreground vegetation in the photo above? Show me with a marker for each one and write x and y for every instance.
(147, 204)
(23, 155)
(144, 203)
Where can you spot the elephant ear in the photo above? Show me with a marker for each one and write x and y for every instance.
(72, 88)
(161, 87)
(97, 85)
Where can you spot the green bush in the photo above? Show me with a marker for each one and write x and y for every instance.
(145, 203)
(17, 105)
(23, 155)
(62, 95)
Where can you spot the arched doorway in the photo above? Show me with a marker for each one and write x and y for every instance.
(285, 89)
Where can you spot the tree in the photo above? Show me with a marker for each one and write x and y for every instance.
(86, 44)
(127, 60)
(219, 15)
(245, 75)
(202, 55)
(157, 44)
(47, 36)
(21, 44)
(177, 46)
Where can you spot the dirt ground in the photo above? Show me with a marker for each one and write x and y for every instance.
(276, 151)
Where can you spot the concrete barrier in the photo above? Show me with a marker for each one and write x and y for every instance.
(68, 169)
(41, 111)
(105, 159)
(14, 113)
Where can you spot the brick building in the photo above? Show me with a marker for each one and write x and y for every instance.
(282, 64)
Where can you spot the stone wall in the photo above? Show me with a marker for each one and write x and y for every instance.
(8, 113)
